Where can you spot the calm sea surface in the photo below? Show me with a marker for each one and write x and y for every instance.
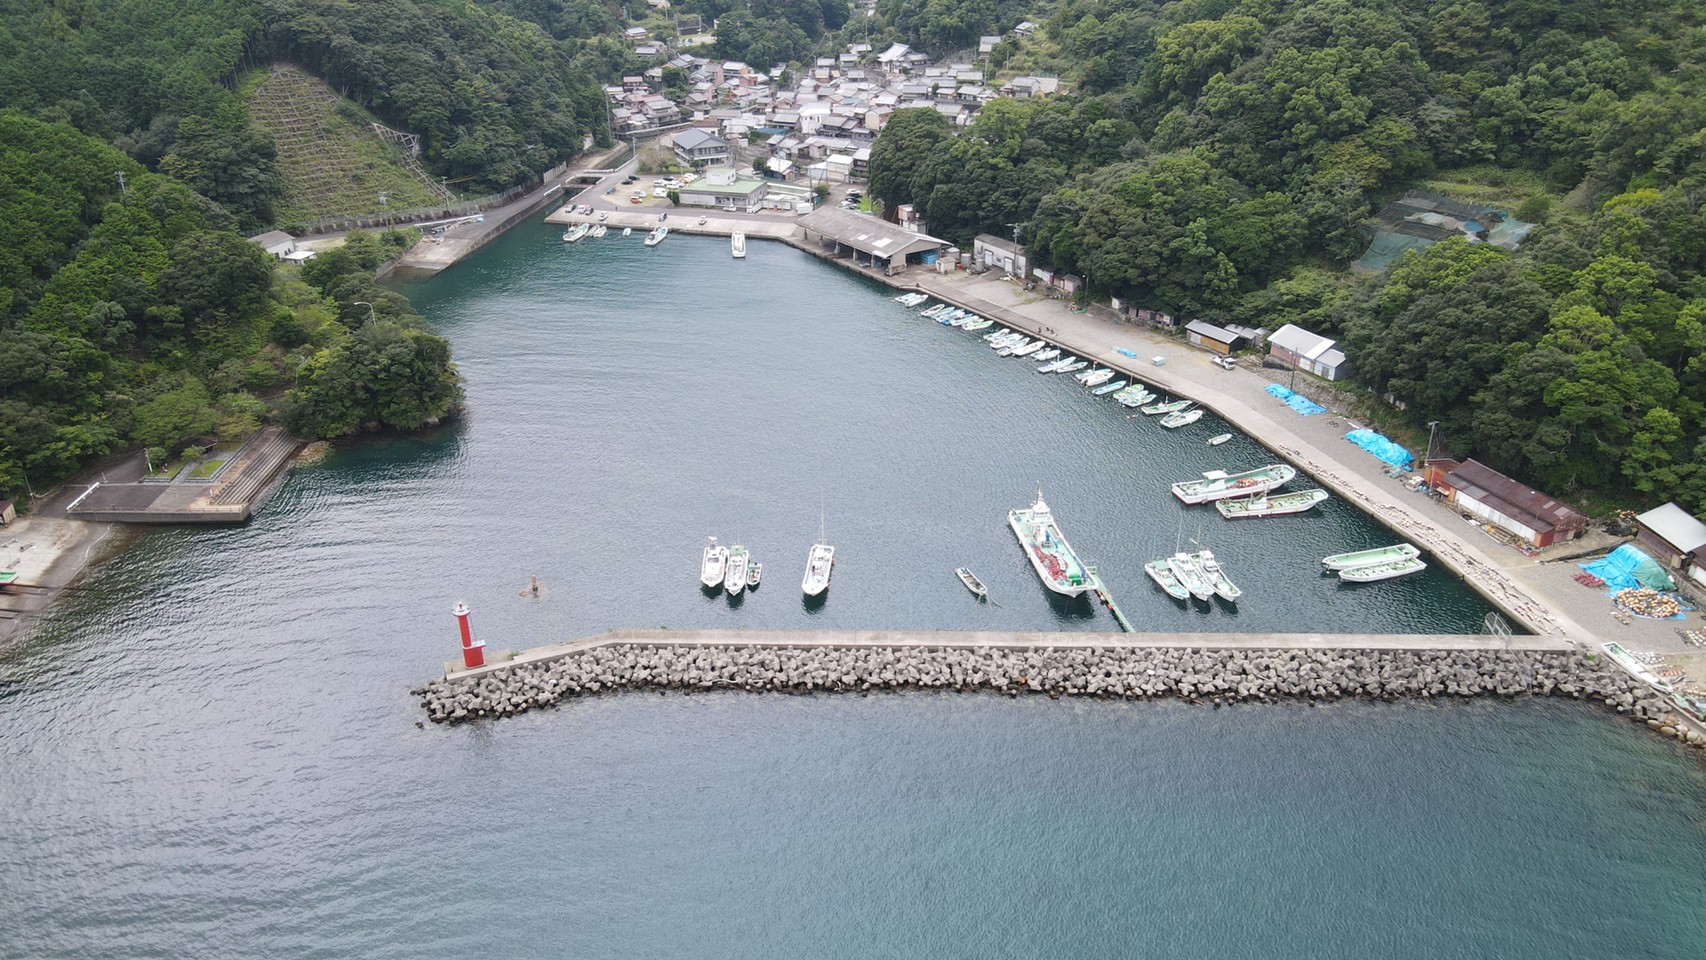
(212, 752)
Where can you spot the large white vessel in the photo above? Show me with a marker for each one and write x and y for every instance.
(1045, 546)
(714, 564)
(735, 580)
(1218, 484)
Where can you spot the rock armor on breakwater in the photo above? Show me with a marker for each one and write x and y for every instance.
(1200, 675)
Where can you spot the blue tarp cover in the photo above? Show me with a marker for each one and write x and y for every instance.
(1297, 401)
(1381, 447)
(1627, 568)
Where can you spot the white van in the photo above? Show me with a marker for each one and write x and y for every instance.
(1225, 363)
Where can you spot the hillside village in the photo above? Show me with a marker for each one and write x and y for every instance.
(821, 127)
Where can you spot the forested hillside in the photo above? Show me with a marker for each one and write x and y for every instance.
(494, 99)
(1222, 157)
(135, 315)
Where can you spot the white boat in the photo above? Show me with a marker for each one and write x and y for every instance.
(1056, 366)
(933, 311)
(1166, 406)
(656, 236)
(911, 299)
(1270, 505)
(627, 231)
(1364, 558)
(1162, 573)
(991, 336)
(1183, 418)
(598, 230)
(1044, 356)
(1028, 349)
(1099, 377)
(1211, 569)
(1218, 484)
(1628, 661)
(1217, 441)
(575, 233)
(1057, 566)
(978, 324)
(714, 564)
(1073, 367)
(972, 582)
(737, 245)
(1184, 566)
(1086, 375)
(754, 573)
(1108, 388)
(734, 581)
(820, 563)
(1370, 573)
(1014, 347)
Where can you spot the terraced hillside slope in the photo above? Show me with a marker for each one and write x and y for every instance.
(330, 158)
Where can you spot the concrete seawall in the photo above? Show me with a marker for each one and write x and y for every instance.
(1202, 668)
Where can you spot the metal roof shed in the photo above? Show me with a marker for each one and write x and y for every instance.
(862, 233)
(1670, 533)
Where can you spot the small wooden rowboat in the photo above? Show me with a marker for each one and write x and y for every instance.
(972, 582)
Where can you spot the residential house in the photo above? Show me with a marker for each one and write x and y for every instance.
(701, 148)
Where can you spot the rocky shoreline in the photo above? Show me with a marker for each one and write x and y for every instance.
(1199, 675)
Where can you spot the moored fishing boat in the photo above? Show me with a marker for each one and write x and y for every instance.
(972, 582)
(1181, 418)
(1166, 406)
(714, 564)
(575, 233)
(1108, 388)
(627, 231)
(1628, 661)
(1363, 558)
(1057, 566)
(734, 581)
(598, 231)
(1011, 348)
(1216, 441)
(1044, 356)
(995, 334)
(1270, 505)
(1372, 572)
(1028, 348)
(1222, 584)
(1099, 377)
(1055, 366)
(656, 236)
(1184, 566)
(911, 299)
(754, 574)
(1162, 573)
(737, 245)
(1218, 484)
(979, 324)
(1073, 367)
(820, 563)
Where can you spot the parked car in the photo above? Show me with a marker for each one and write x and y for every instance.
(1225, 363)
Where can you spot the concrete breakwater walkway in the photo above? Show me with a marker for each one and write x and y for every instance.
(1215, 669)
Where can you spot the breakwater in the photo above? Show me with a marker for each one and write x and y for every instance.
(1121, 670)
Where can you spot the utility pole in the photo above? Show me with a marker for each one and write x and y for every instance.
(1433, 426)
(122, 188)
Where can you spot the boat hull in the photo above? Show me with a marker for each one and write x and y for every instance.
(1283, 505)
(1019, 522)
(1366, 558)
(1164, 578)
(1376, 572)
(820, 566)
(1245, 484)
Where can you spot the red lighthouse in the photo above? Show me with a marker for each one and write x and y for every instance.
(473, 651)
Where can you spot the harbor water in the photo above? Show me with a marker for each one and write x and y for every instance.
(212, 750)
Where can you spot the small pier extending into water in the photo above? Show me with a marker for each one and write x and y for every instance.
(1107, 599)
